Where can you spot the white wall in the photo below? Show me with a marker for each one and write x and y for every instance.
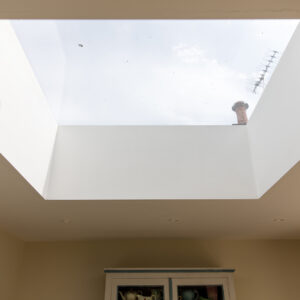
(151, 162)
(274, 128)
(27, 129)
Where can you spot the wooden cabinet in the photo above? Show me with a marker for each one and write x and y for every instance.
(169, 284)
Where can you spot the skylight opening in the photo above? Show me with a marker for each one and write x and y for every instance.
(152, 72)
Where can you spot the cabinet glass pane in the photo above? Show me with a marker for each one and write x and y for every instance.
(200, 292)
(140, 292)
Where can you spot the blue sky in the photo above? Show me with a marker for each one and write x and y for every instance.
(150, 72)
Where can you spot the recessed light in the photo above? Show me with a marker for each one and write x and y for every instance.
(66, 220)
(174, 220)
(279, 220)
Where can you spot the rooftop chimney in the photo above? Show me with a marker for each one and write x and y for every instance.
(240, 108)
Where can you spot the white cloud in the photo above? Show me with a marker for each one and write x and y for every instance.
(189, 54)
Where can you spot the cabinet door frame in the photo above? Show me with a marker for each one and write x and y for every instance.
(205, 280)
(111, 286)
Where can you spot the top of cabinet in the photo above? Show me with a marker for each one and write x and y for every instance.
(168, 270)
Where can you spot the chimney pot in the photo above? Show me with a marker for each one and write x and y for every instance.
(240, 109)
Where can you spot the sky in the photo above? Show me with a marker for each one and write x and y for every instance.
(150, 72)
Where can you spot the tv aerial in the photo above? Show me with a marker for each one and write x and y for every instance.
(266, 68)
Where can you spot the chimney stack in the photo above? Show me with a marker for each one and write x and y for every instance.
(240, 108)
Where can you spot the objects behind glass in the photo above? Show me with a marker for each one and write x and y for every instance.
(201, 292)
(140, 293)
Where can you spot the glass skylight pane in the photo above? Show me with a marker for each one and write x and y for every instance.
(152, 72)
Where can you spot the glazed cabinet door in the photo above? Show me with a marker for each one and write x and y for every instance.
(137, 289)
(202, 288)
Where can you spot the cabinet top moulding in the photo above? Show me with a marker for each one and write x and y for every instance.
(168, 270)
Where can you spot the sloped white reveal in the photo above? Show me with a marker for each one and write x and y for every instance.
(151, 162)
(27, 128)
(274, 128)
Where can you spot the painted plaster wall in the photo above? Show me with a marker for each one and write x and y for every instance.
(265, 270)
(11, 251)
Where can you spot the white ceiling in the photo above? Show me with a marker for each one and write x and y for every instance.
(26, 214)
(143, 72)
